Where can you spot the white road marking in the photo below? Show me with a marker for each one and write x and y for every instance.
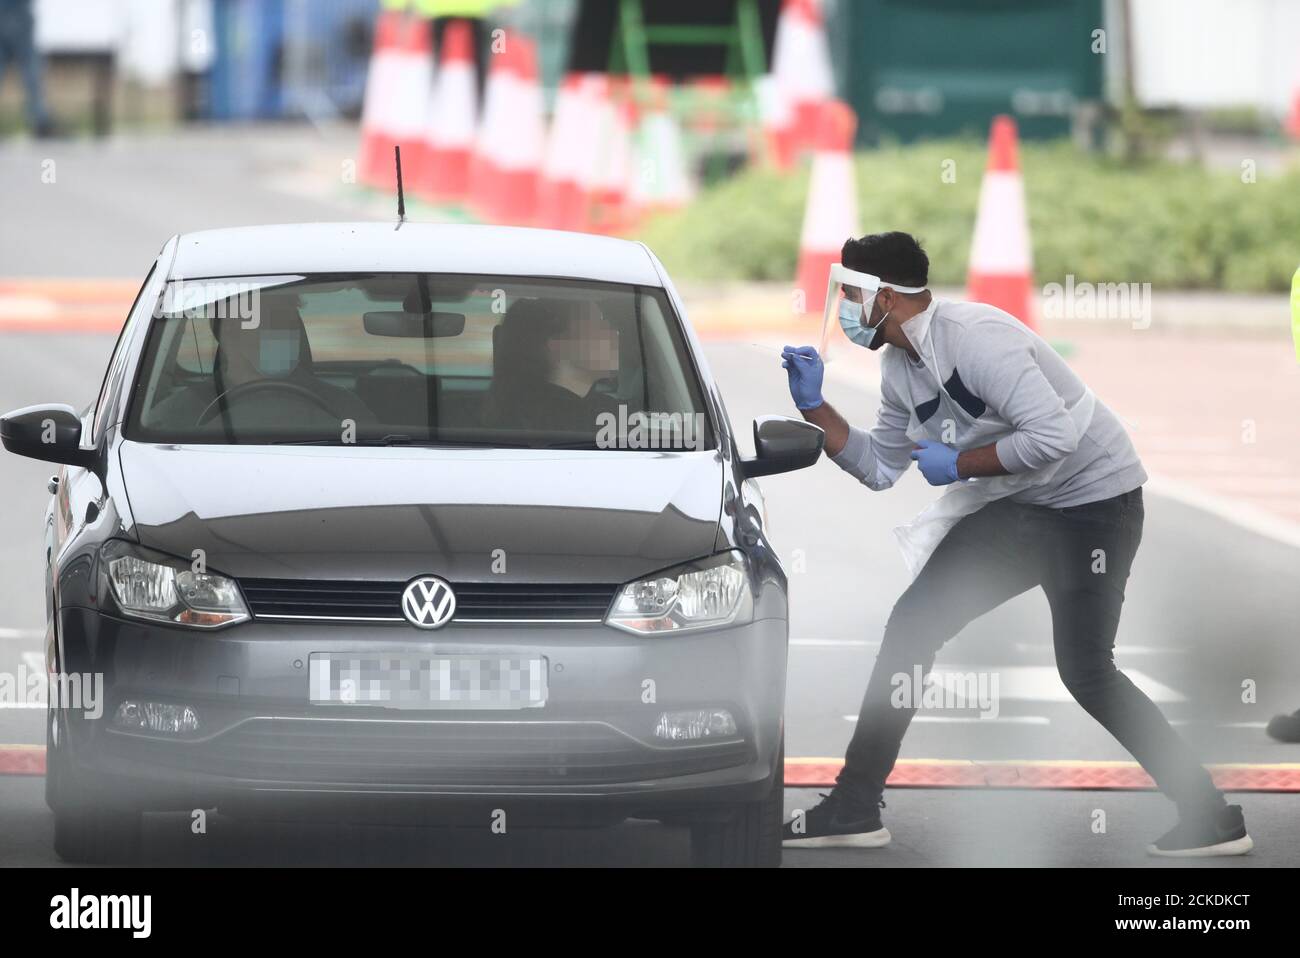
(834, 643)
(34, 663)
(21, 634)
(976, 720)
(1041, 683)
(1244, 515)
(1249, 725)
(1119, 649)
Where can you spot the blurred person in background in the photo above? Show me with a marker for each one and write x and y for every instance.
(473, 12)
(18, 46)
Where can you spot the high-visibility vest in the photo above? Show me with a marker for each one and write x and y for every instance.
(460, 8)
(394, 4)
(1295, 313)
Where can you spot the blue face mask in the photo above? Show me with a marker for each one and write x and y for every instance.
(851, 315)
(277, 352)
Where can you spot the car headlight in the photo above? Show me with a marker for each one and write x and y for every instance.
(698, 595)
(150, 585)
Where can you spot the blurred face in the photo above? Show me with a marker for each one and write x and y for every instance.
(591, 344)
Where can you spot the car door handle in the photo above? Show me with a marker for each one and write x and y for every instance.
(53, 485)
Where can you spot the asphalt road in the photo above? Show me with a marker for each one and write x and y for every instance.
(1210, 606)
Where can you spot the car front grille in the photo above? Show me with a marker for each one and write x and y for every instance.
(382, 601)
(430, 753)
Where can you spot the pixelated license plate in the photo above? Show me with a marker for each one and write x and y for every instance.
(429, 682)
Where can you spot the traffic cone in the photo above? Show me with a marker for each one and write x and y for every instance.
(776, 121)
(660, 172)
(482, 164)
(576, 210)
(1001, 266)
(608, 170)
(801, 70)
(404, 89)
(558, 198)
(453, 119)
(831, 216)
(376, 154)
(1295, 313)
(1293, 120)
(519, 158)
(508, 151)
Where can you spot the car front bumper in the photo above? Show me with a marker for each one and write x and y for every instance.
(262, 739)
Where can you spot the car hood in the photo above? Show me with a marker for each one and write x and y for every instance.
(392, 513)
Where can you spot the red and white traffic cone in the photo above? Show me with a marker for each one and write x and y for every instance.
(1293, 119)
(376, 154)
(1001, 262)
(660, 173)
(508, 151)
(577, 210)
(409, 97)
(776, 121)
(831, 216)
(483, 170)
(803, 80)
(453, 119)
(557, 192)
(519, 156)
(609, 170)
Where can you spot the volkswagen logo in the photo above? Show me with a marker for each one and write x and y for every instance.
(428, 602)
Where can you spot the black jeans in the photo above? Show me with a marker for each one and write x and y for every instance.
(1081, 556)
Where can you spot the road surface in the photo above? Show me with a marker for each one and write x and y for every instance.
(1212, 606)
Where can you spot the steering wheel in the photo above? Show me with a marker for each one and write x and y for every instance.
(244, 389)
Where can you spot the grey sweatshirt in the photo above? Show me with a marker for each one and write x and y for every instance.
(1007, 386)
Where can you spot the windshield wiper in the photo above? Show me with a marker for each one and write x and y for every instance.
(402, 440)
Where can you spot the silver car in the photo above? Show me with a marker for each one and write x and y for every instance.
(447, 519)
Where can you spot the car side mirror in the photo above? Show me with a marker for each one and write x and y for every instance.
(51, 433)
(782, 444)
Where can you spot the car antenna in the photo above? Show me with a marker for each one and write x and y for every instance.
(401, 199)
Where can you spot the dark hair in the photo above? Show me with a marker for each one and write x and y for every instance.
(895, 257)
(524, 332)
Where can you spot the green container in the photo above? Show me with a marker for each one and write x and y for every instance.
(925, 68)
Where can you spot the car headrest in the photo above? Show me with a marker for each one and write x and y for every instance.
(276, 316)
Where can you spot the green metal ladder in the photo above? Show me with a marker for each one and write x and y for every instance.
(745, 61)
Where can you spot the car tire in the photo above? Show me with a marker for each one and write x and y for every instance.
(86, 835)
(751, 837)
(96, 836)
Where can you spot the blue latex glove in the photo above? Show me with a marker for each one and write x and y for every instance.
(805, 369)
(937, 462)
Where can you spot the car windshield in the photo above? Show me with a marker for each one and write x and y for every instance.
(432, 359)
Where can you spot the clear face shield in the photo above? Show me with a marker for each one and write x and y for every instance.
(850, 296)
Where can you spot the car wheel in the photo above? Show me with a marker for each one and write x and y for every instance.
(53, 767)
(751, 837)
(85, 835)
(96, 836)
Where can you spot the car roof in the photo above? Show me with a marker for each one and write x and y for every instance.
(414, 247)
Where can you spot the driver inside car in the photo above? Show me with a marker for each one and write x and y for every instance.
(264, 377)
(550, 358)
